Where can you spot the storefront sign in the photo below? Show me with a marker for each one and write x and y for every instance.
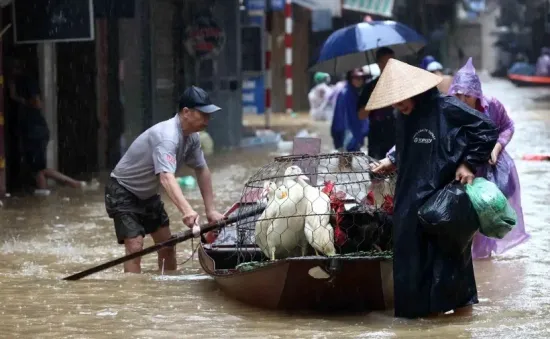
(277, 5)
(255, 5)
(53, 21)
(204, 38)
(253, 95)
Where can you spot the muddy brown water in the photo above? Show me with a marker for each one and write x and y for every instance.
(45, 239)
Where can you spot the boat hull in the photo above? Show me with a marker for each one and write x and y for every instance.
(355, 284)
(529, 80)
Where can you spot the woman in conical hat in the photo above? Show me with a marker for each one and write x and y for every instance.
(500, 169)
(439, 139)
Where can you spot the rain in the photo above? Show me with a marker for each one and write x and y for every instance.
(106, 71)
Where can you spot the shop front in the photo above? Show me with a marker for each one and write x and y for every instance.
(196, 42)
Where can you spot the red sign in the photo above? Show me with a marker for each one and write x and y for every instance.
(204, 38)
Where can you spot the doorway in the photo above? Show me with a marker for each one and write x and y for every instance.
(17, 176)
(76, 109)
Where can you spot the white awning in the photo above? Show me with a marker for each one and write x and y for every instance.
(376, 7)
(334, 6)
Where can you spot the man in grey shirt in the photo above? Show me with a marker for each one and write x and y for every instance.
(131, 195)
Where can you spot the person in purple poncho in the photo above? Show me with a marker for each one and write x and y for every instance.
(501, 169)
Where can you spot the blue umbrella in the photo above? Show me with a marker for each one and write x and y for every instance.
(356, 45)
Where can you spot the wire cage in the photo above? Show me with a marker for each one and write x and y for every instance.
(316, 205)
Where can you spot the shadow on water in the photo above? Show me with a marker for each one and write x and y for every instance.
(45, 239)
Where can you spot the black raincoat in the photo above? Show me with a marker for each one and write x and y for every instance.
(439, 135)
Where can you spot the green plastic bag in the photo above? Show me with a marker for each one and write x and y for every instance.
(496, 216)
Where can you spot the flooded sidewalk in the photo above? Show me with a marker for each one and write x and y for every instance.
(44, 239)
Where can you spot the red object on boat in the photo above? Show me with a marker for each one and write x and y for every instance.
(328, 188)
(387, 205)
(210, 237)
(336, 204)
(536, 157)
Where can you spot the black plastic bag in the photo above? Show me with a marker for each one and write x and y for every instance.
(449, 218)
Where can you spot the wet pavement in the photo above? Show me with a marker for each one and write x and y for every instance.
(46, 238)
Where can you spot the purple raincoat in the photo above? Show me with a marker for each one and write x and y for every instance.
(504, 173)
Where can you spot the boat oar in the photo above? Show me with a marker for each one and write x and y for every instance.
(177, 238)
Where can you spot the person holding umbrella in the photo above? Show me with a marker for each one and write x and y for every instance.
(347, 131)
(362, 44)
(381, 121)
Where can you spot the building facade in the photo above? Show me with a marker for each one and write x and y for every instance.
(101, 92)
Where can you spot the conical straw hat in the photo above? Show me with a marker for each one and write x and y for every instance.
(400, 81)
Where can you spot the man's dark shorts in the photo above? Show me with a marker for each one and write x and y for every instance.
(132, 216)
(34, 154)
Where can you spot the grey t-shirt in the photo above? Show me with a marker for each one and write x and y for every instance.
(161, 148)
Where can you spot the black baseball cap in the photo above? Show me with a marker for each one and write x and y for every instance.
(197, 98)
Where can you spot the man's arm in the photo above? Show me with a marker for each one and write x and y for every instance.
(164, 158)
(173, 189)
(204, 179)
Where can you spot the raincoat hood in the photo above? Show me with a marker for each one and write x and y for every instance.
(467, 82)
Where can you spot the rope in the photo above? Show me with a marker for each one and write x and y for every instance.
(192, 253)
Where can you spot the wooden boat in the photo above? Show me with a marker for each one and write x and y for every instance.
(354, 284)
(312, 283)
(529, 80)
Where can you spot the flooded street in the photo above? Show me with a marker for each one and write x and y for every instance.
(45, 239)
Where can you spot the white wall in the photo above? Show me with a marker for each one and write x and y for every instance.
(48, 84)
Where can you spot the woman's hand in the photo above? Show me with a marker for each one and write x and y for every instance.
(383, 167)
(495, 153)
(464, 174)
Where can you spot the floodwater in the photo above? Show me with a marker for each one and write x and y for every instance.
(45, 239)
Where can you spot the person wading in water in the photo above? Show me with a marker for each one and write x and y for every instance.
(439, 140)
(131, 194)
